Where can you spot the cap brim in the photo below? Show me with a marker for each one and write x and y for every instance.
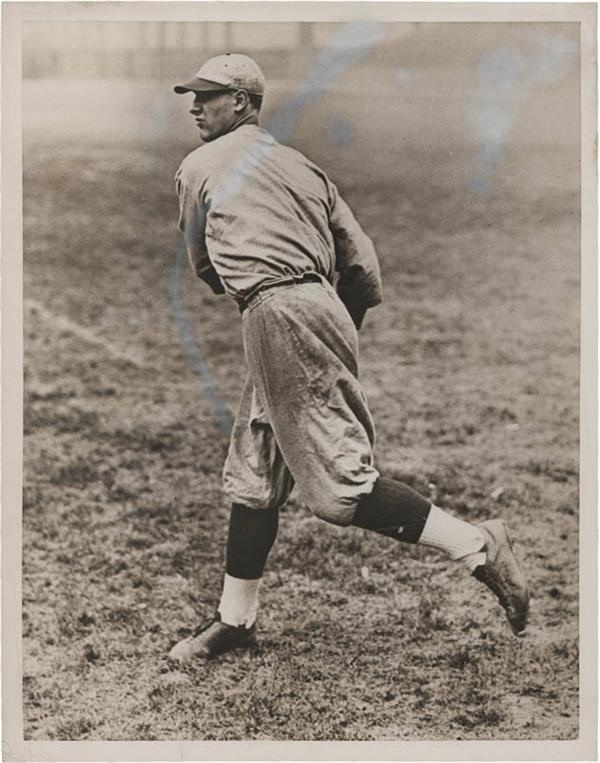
(199, 86)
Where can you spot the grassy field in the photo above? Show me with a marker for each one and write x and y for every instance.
(471, 369)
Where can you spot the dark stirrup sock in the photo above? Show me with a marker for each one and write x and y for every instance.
(393, 509)
(252, 533)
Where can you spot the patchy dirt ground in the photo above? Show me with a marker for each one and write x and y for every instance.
(471, 369)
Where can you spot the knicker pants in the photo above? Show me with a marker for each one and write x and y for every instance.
(303, 416)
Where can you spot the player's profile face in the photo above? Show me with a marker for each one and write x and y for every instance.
(214, 113)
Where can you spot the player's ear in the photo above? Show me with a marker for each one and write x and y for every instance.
(240, 100)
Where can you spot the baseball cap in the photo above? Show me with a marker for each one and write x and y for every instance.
(230, 71)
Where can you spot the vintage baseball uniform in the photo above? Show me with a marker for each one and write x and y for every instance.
(265, 225)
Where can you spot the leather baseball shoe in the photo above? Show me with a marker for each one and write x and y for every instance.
(210, 639)
(502, 575)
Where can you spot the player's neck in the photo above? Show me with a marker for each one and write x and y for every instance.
(251, 118)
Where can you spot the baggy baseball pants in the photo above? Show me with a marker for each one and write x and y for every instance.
(303, 417)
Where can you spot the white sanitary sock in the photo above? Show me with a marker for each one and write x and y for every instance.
(239, 601)
(460, 540)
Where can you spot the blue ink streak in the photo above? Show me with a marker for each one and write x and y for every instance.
(403, 77)
(339, 131)
(505, 79)
(499, 93)
(197, 362)
(159, 113)
(351, 43)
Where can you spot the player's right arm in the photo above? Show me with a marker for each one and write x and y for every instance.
(192, 223)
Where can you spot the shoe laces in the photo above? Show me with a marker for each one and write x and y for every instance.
(484, 575)
(216, 618)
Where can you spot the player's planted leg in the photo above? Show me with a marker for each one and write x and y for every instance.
(398, 511)
(251, 535)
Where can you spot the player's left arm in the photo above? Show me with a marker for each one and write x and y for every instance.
(192, 223)
(359, 284)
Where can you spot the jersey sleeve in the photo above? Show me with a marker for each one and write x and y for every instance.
(192, 223)
(359, 282)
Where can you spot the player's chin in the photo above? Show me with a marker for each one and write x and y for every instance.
(206, 135)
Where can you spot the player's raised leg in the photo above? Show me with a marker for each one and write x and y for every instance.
(395, 510)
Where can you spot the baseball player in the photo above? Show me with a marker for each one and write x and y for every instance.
(267, 227)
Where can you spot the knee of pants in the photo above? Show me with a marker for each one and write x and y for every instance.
(335, 512)
(258, 494)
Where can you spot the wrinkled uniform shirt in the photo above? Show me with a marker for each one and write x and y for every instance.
(253, 211)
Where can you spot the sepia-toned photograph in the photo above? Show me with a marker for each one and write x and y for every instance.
(301, 378)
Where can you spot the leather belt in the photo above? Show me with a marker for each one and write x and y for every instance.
(247, 299)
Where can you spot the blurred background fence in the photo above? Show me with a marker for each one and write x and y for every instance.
(160, 49)
(140, 50)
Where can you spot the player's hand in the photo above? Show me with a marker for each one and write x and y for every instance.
(357, 312)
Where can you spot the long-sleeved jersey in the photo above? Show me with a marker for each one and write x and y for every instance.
(253, 211)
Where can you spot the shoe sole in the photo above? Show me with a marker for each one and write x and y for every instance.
(523, 631)
(504, 528)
